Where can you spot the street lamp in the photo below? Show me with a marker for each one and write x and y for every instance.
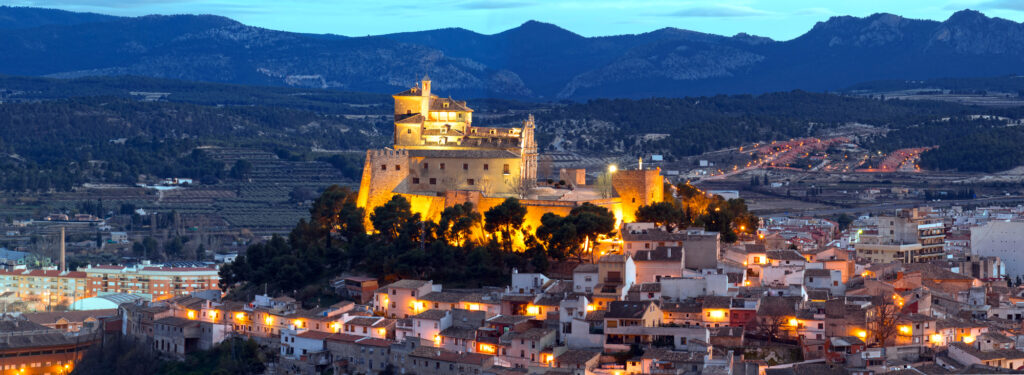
(612, 168)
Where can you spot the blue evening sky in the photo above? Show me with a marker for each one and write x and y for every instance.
(778, 19)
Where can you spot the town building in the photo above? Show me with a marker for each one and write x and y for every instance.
(910, 236)
(153, 281)
(1002, 239)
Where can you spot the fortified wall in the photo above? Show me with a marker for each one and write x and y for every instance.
(383, 172)
(638, 188)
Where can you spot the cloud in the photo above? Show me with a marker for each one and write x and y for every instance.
(1003, 4)
(1016, 5)
(720, 11)
(814, 12)
(103, 3)
(494, 4)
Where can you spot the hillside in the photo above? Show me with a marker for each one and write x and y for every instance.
(61, 133)
(535, 61)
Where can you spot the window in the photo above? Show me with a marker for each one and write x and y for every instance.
(415, 180)
(383, 167)
(433, 181)
(426, 165)
(486, 167)
(398, 167)
(470, 182)
(505, 169)
(465, 166)
(408, 131)
(442, 166)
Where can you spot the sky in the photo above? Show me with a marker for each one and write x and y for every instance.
(777, 19)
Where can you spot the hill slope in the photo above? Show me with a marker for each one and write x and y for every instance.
(533, 61)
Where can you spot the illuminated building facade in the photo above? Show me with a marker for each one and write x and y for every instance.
(158, 282)
(439, 158)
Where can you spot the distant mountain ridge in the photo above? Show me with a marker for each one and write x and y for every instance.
(536, 60)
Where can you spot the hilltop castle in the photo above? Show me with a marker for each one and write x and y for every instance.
(440, 159)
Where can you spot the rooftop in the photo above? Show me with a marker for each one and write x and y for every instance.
(627, 309)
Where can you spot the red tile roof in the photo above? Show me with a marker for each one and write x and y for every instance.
(315, 335)
(44, 273)
(373, 341)
(344, 337)
(178, 269)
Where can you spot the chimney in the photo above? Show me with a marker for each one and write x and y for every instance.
(63, 265)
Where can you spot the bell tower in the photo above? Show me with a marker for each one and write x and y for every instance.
(425, 97)
(528, 150)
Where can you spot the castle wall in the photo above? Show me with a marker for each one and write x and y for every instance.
(428, 206)
(638, 188)
(383, 172)
(491, 181)
(576, 177)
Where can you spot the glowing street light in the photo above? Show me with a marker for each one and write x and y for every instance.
(612, 168)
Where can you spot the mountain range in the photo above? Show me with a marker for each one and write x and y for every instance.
(535, 61)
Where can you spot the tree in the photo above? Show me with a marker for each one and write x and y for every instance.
(773, 314)
(241, 169)
(457, 223)
(604, 185)
(559, 235)
(504, 219)
(883, 319)
(393, 218)
(592, 221)
(574, 234)
(335, 212)
(174, 247)
(844, 221)
(662, 214)
(520, 187)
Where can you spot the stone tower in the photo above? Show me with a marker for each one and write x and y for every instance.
(528, 150)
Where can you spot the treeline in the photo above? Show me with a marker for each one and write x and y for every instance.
(698, 125)
(464, 248)
(402, 245)
(976, 85)
(122, 356)
(964, 144)
(201, 93)
(61, 144)
(694, 208)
